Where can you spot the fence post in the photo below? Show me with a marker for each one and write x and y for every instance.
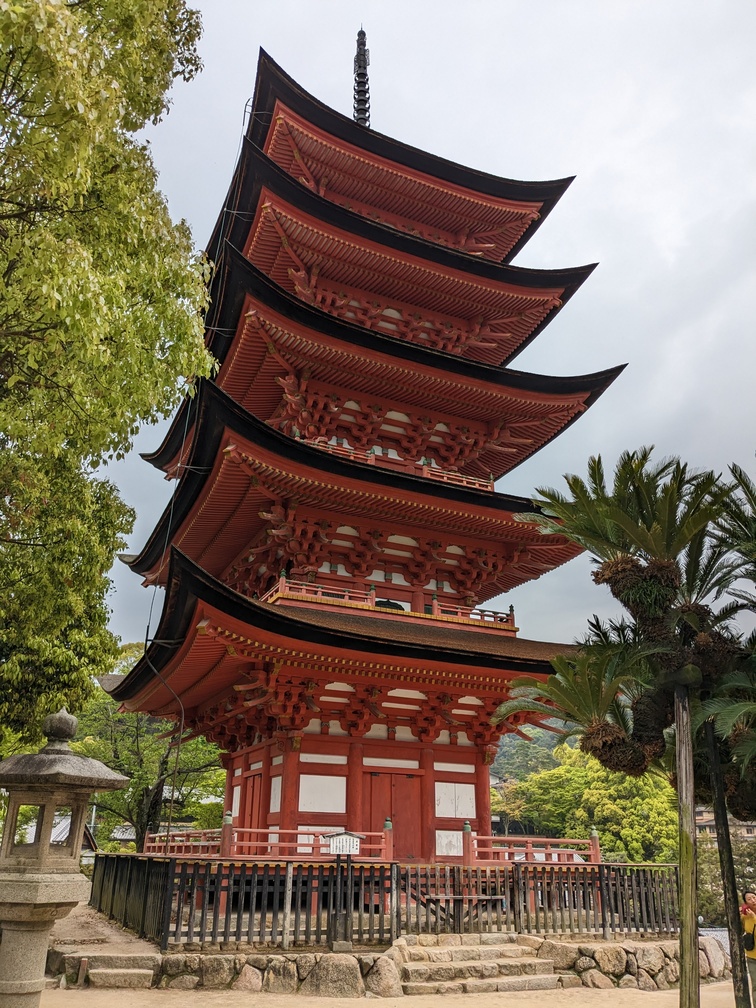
(227, 835)
(286, 919)
(458, 893)
(468, 857)
(340, 923)
(394, 901)
(518, 895)
(604, 902)
(595, 847)
(388, 840)
(165, 923)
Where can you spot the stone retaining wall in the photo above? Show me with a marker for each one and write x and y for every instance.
(644, 965)
(314, 974)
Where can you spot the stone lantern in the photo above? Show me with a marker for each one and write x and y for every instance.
(39, 878)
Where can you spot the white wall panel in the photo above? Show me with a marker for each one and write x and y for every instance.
(275, 794)
(455, 801)
(321, 793)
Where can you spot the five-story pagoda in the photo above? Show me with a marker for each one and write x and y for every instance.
(335, 527)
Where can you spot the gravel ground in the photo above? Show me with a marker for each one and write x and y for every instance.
(716, 995)
(720, 934)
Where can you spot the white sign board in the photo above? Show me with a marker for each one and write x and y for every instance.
(343, 843)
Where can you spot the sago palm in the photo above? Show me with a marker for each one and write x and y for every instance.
(638, 531)
(591, 693)
(733, 710)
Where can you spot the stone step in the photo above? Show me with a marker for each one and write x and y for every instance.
(546, 981)
(452, 953)
(465, 969)
(60, 961)
(113, 978)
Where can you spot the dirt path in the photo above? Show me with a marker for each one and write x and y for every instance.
(86, 930)
(712, 996)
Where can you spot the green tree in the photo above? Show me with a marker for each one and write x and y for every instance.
(591, 691)
(101, 298)
(733, 711)
(66, 528)
(635, 818)
(507, 803)
(101, 292)
(517, 756)
(133, 744)
(551, 795)
(732, 706)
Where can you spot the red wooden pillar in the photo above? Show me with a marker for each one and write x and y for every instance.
(355, 816)
(483, 797)
(426, 812)
(289, 791)
(595, 847)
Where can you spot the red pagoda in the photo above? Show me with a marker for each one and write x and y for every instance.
(335, 527)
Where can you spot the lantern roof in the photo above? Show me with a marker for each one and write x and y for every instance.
(57, 765)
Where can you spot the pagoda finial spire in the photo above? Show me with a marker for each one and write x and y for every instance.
(361, 112)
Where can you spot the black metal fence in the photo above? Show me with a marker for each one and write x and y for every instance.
(194, 902)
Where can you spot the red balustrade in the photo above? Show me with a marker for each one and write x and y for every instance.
(336, 594)
(428, 471)
(266, 844)
(315, 844)
(531, 849)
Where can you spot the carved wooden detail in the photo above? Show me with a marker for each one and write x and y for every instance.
(320, 416)
(274, 704)
(337, 183)
(298, 546)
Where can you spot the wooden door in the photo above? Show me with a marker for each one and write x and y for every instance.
(407, 817)
(397, 795)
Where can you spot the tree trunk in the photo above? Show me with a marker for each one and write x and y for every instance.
(689, 981)
(727, 866)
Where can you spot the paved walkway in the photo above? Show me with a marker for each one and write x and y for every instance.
(717, 995)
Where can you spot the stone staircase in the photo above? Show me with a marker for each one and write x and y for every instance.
(109, 970)
(473, 964)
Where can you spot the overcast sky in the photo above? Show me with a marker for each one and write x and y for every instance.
(650, 103)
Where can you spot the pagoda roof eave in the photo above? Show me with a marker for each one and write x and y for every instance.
(274, 84)
(244, 277)
(258, 172)
(217, 414)
(190, 588)
(239, 278)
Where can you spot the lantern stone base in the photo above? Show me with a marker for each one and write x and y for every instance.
(29, 905)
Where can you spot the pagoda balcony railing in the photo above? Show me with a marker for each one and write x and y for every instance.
(317, 844)
(284, 589)
(415, 468)
(532, 849)
(273, 844)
